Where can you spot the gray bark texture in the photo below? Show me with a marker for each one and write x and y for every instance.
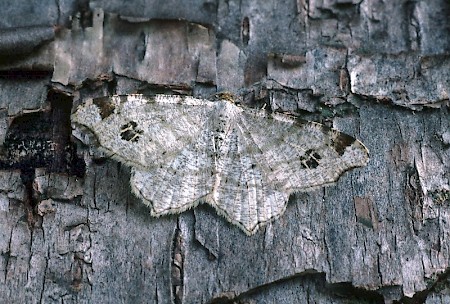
(377, 70)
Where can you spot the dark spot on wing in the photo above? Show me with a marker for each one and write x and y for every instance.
(338, 141)
(105, 106)
(130, 132)
(310, 160)
(341, 141)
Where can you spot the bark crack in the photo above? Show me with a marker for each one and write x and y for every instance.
(420, 297)
(343, 290)
(41, 297)
(177, 271)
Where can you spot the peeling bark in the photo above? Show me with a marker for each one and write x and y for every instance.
(376, 70)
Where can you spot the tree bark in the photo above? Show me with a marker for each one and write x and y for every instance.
(71, 230)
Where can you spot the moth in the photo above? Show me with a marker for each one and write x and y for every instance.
(243, 162)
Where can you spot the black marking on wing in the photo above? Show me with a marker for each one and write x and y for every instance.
(130, 132)
(105, 106)
(310, 160)
(341, 141)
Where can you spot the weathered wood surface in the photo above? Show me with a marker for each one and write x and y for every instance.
(379, 71)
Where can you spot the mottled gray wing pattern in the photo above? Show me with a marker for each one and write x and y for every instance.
(265, 157)
(141, 131)
(297, 155)
(245, 163)
(241, 192)
(180, 182)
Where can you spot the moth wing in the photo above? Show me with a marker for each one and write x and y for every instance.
(142, 131)
(266, 157)
(241, 192)
(181, 182)
(296, 155)
(173, 145)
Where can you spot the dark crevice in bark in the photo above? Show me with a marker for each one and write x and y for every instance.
(65, 158)
(245, 31)
(342, 290)
(177, 266)
(40, 140)
(24, 75)
(27, 175)
(437, 106)
(442, 282)
(44, 277)
(61, 106)
(170, 89)
(84, 14)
